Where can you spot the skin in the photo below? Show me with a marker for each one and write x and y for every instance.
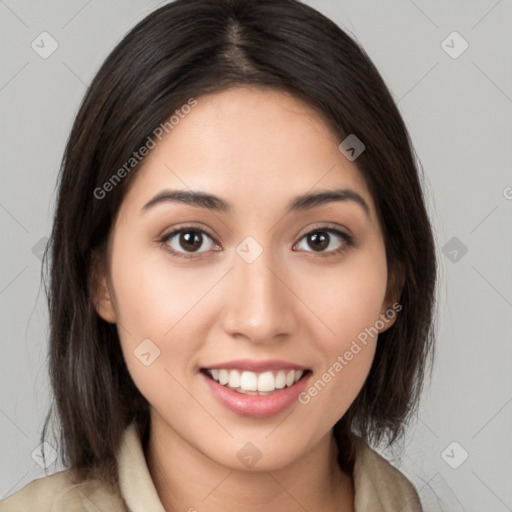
(256, 149)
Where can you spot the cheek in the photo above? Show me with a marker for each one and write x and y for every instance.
(347, 300)
(156, 310)
(349, 305)
(154, 297)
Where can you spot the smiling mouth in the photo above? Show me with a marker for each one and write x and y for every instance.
(254, 383)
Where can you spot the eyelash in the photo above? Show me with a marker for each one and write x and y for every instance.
(347, 241)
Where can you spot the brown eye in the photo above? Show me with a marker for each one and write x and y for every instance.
(189, 241)
(318, 241)
(325, 241)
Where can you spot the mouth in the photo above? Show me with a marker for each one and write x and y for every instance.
(254, 383)
(256, 390)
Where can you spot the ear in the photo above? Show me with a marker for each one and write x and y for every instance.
(391, 305)
(100, 290)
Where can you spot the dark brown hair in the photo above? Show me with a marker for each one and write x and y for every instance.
(186, 49)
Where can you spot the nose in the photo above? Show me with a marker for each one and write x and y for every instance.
(258, 302)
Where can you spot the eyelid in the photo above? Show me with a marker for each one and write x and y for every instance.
(325, 226)
(190, 227)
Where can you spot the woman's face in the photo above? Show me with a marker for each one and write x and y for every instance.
(249, 277)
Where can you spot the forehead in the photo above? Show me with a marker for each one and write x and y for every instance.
(248, 144)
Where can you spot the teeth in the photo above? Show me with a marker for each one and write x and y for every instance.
(251, 383)
(280, 379)
(223, 377)
(234, 379)
(266, 382)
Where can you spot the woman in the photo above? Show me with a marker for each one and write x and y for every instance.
(242, 273)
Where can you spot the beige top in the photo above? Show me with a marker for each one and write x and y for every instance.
(379, 487)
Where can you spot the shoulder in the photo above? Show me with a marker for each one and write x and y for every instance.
(61, 492)
(380, 486)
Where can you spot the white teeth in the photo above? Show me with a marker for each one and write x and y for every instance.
(266, 382)
(234, 379)
(249, 381)
(252, 383)
(280, 379)
(223, 377)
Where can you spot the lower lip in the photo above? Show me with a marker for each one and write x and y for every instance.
(256, 406)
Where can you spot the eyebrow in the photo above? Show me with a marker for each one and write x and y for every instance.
(300, 203)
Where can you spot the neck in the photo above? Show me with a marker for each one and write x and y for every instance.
(188, 480)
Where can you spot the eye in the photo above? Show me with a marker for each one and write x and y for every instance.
(326, 241)
(187, 241)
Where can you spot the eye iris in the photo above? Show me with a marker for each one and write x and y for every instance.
(320, 238)
(190, 240)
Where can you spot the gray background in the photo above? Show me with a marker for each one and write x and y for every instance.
(458, 111)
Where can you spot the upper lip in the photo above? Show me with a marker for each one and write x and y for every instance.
(256, 366)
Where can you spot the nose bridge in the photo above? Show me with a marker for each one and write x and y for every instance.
(258, 306)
